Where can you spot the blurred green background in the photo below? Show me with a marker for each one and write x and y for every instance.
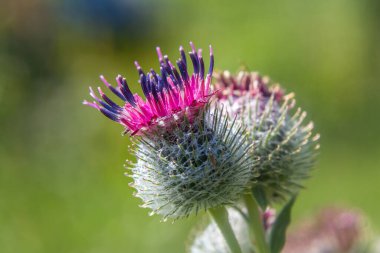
(62, 187)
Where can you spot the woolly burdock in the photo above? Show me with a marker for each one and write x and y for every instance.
(189, 158)
(285, 147)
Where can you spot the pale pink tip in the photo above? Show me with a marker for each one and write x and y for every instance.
(92, 93)
(199, 52)
(104, 81)
(93, 104)
(211, 51)
(100, 91)
(159, 53)
(192, 46)
(137, 65)
(118, 80)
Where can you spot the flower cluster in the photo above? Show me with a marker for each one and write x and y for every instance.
(204, 146)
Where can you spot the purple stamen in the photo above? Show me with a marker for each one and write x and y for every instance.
(160, 84)
(210, 70)
(202, 71)
(183, 71)
(164, 79)
(183, 55)
(178, 77)
(155, 94)
(194, 59)
(109, 101)
(139, 69)
(114, 91)
(127, 92)
(144, 85)
(110, 114)
(104, 104)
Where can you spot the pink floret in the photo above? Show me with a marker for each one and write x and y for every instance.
(171, 92)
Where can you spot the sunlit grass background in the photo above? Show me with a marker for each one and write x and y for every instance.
(62, 187)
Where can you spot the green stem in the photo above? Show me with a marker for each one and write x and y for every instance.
(256, 224)
(220, 216)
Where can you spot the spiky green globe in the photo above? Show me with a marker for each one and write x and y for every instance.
(286, 150)
(191, 166)
(285, 147)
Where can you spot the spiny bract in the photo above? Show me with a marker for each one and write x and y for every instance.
(192, 167)
(284, 147)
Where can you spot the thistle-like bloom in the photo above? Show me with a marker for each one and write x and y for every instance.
(284, 145)
(189, 158)
(172, 92)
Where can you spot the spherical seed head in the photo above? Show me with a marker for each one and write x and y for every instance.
(192, 167)
(284, 147)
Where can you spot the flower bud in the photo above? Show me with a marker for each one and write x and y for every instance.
(284, 146)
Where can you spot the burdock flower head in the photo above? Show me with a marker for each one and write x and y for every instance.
(167, 95)
(189, 158)
(284, 147)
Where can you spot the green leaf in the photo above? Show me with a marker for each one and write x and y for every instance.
(278, 234)
(260, 197)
